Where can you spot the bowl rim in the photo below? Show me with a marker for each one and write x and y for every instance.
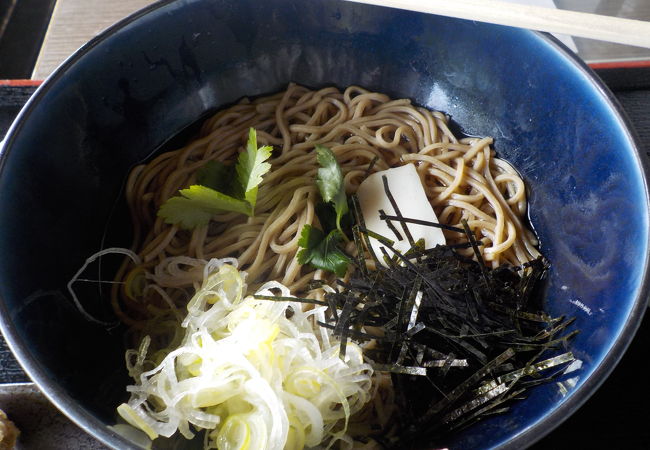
(525, 438)
(608, 363)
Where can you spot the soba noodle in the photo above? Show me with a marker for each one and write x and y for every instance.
(462, 177)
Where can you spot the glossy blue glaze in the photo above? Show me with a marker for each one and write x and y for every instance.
(131, 89)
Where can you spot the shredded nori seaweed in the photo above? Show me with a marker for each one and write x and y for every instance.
(461, 341)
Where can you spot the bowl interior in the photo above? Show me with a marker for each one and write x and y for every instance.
(123, 96)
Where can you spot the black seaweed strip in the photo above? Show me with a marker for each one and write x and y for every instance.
(439, 363)
(403, 321)
(368, 305)
(447, 307)
(437, 318)
(551, 377)
(432, 353)
(497, 411)
(410, 265)
(514, 319)
(447, 365)
(438, 293)
(540, 266)
(462, 387)
(290, 299)
(406, 318)
(371, 165)
(504, 368)
(354, 284)
(391, 323)
(471, 305)
(344, 318)
(360, 317)
(551, 344)
(474, 403)
(473, 350)
(416, 251)
(412, 355)
(397, 343)
(536, 357)
(508, 301)
(562, 367)
(419, 357)
(476, 415)
(391, 226)
(359, 334)
(475, 335)
(359, 259)
(343, 345)
(382, 239)
(387, 217)
(554, 330)
(390, 262)
(434, 251)
(416, 329)
(368, 314)
(397, 368)
(362, 224)
(332, 307)
(480, 356)
(464, 336)
(398, 213)
(477, 253)
(541, 317)
(342, 327)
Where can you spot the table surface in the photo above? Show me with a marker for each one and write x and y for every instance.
(74, 22)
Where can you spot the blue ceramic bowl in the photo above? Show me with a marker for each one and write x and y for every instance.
(146, 79)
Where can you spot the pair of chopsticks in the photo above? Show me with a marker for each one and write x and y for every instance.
(592, 26)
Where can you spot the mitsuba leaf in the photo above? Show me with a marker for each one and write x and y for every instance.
(183, 212)
(327, 218)
(322, 251)
(251, 166)
(330, 182)
(216, 175)
(198, 204)
(221, 188)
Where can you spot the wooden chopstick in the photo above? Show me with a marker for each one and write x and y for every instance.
(586, 25)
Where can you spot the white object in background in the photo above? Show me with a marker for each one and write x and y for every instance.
(406, 188)
(75, 22)
(564, 38)
(552, 20)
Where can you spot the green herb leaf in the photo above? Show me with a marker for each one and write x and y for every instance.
(327, 218)
(330, 182)
(221, 188)
(251, 166)
(216, 175)
(198, 204)
(322, 251)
